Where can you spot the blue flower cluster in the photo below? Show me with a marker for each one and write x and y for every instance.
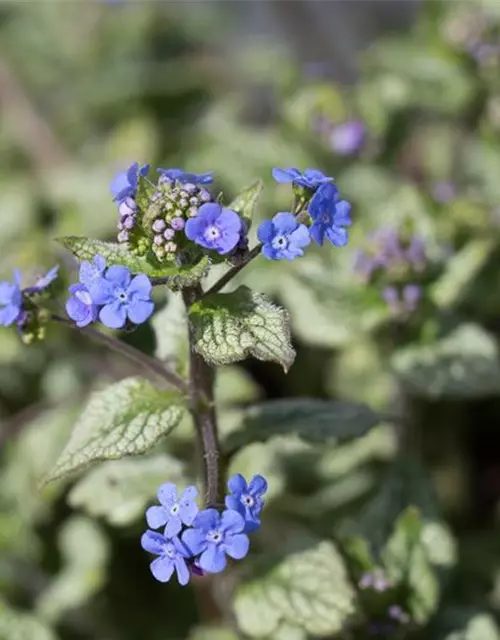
(13, 299)
(179, 204)
(196, 541)
(111, 294)
(283, 237)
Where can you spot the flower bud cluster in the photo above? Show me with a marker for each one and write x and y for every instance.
(170, 207)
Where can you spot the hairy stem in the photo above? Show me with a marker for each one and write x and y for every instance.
(229, 275)
(146, 362)
(201, 382)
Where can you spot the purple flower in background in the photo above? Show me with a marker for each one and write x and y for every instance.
(172, 556)
(415, 253)
(310, 179)
(174, 511)
(444, 192)
(395, 612)
(214, 536)
(330, 215)
(124, 184)
(246, 499)
(80, 306)
(375, 580)
(348, 138)
(283, 237)
(184, 178)
(11, 300)
(404, 302)
(482, 52)
(122, 297)
(215, 228)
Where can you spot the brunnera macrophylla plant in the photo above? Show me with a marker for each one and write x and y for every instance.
(170, 231)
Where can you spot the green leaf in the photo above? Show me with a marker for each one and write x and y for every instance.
(430, 77)
(228, 327)
(125, 419)
(180, 276)
(463, 624)
(308, 589)
(144, 192)
(20, 626)
(407, 562)
(212, 633)
(463, 365)
(119, 490)
(171, 333)
(461, 271)
(408, 484)
(84, 551)
(312, 420)
(246, 201)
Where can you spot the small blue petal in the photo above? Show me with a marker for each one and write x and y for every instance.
(167, 494)
(238, 546)
(174, 526)
(156, 517)
(195, 540)
(232, 522)
(153, 542)
(162, 568)
(113, 315)
(213, 559)
(237, 484)
(258, 485)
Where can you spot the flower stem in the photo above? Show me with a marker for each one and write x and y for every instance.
(145, 361)
(229, 275)
(202, 407)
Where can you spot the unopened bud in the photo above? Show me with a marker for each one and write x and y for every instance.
(159, 225)
(177, 223)
(129, 222)
(127, 207)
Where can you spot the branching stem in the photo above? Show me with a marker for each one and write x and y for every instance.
(201, 382)
(145, 361)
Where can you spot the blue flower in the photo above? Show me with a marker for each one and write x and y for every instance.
(43, 282)
(214, 536)
(124, 184)
(215, 228)
(183, 177)
(80, 306)
(172, 556)
(122, 297)
(330, 216)
(92, 272)
(283, 237)
(173, 512)
(247, 499)
(11, 301)
(310, 179)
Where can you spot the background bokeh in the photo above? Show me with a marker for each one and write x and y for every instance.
(400, 101)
